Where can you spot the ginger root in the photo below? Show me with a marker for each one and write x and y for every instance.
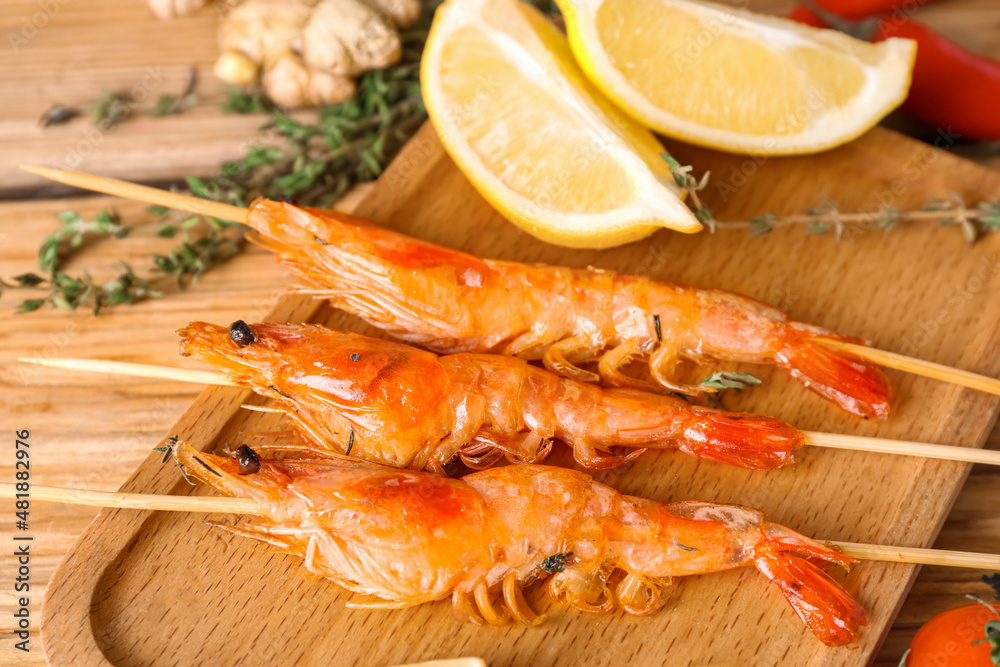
(304, 52)
(168, 9)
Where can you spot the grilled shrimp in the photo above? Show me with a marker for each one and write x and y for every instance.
(449, 302)
(409, 537)
(397, 405)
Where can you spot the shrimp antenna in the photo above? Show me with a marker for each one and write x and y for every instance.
(212, 209)
(221, 504)
(815, 438)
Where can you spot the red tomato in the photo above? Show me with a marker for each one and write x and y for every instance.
(946, 640)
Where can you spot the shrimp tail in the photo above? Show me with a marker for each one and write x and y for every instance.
(854, 384)
(749, 441)
(822, 604)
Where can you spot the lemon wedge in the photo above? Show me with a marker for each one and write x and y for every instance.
(535, 137)
(730, 79)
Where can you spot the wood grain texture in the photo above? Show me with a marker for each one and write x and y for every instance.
(168, 589)
(81, 50)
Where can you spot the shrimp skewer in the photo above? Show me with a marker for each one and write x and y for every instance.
(850, 363)
(448, 301)
(410, 537)
(811, 438)
(394, 404)
(208, 504)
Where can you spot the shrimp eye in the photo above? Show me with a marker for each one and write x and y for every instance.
(247, 459)
(241, 333)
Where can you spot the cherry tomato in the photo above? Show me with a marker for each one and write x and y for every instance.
(947, 639)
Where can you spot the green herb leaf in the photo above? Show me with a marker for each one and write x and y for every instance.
(725, 380)
(197, 187)
(112, 109)
(242, 101)
(48, 255)
(29, 305)
(28, 280)
(704, 214)
(817, 228)
(888, 218)
(762, 224)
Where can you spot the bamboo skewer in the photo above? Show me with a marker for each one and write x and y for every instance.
(225, 505)
(143, 193)
(814, 438)
(902, 447)
(917, 556)
(216, 378)
(919, 367)
(136, 501)
(198, 206)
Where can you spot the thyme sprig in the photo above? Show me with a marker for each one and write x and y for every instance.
(687, 182)
(315, 163)
(168, 104)
(975, 220)
(245, 101)
(168, 450)
(112, 108)
(204, 243)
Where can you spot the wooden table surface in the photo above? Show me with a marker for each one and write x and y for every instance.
(92, 431)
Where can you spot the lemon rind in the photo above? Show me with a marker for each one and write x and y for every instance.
(819, 135)
(657, 203)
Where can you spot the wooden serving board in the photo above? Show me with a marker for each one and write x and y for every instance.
(143, 587)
